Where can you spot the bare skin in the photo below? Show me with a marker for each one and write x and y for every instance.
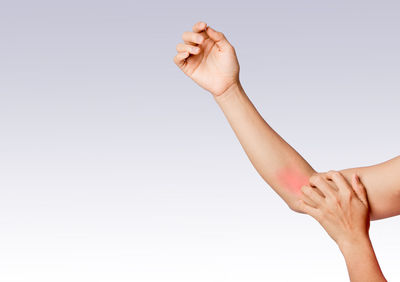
(207, 57)
(343, 211)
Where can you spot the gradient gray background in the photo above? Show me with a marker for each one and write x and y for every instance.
(115, 166)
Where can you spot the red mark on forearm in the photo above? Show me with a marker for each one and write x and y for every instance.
(292, 179)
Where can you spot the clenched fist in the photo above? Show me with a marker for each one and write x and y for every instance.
(208, 58)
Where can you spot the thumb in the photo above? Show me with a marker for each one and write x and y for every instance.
(360, 190)
(218, 37)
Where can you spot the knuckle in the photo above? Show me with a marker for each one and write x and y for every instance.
(333, 173)
(316, 178)
(312, 177)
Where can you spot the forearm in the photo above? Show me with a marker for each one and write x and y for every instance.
(273, 158)
(361, 261)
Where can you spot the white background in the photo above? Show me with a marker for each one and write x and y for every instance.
(115, 166)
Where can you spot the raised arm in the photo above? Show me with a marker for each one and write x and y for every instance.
(210, 60)
(207, 57)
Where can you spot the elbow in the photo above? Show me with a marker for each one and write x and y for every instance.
(294, 206)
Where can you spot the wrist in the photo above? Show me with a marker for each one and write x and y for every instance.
(233, 90)
(354, 244)
(361, 260)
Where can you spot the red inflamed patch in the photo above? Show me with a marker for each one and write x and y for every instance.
(292, 179)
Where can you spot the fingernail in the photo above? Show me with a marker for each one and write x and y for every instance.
(195, 49)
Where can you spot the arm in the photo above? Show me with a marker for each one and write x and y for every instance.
(210, 60)
(286, 171)
(366, 269)
(275, 160)
(382, 182)
(343, 211)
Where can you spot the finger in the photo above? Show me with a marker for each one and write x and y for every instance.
(199, 26)
(359, 189)
(329, 180)
(192, 38)
(218, 37)
(187, 48)
(311, 196)
(341, 182)
(319, 181)
(180, 58)
(308, 200)
(304, 207)
(324, 175)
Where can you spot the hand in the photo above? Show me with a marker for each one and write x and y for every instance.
(342, 209)
(208, 58)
